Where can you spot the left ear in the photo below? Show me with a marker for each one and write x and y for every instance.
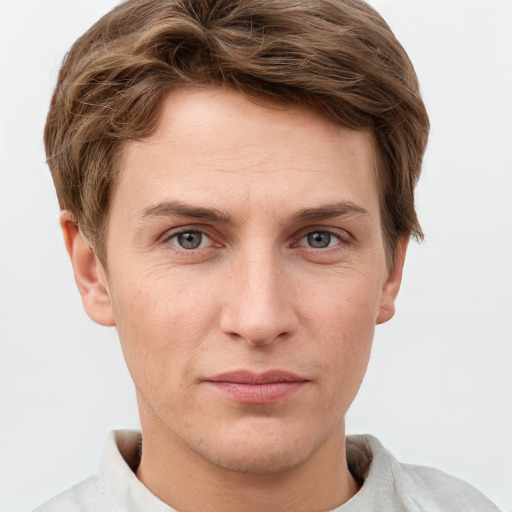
(393, 282)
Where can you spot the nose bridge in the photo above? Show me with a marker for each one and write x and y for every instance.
(260, 306)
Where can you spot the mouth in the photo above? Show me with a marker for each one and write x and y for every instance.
(246, 387)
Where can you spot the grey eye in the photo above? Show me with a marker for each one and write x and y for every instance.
(319, 239)
(189, 239)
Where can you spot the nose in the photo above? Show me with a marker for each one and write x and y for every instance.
(259, 305)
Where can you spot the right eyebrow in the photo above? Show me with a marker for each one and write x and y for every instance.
(330, 211)
(180, 209)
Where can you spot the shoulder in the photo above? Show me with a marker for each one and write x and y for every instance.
(393, 485)
(87, 496)
(428, 487)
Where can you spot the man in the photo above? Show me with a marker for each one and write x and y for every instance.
(237, 181)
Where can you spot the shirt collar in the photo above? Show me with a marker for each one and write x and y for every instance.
(124, 492)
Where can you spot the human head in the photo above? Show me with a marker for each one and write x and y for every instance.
(338, 56)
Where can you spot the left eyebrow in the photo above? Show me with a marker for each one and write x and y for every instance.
(329, 211)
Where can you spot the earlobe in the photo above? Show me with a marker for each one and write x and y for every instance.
(90, 276)
(393, 282)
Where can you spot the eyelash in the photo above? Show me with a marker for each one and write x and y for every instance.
(170, 235)
(344, 239)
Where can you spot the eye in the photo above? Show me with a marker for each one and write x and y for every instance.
(190, 240)
(320, 239)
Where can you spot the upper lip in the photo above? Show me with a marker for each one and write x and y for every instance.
(250, 377)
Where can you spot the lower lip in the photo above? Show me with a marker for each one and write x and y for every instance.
(258, 394)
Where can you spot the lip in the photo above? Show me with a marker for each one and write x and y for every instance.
(247, 387)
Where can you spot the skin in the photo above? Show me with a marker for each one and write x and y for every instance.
(257, 185)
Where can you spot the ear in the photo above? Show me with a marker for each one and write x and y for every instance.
(90, 276)
(392, 285)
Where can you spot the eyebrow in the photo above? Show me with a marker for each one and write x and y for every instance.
(329, 211)
(180, 209)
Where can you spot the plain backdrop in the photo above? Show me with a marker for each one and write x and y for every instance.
(439, 385)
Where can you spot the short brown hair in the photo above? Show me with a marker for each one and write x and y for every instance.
(338, 56)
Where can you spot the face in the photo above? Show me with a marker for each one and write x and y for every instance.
(246, 273)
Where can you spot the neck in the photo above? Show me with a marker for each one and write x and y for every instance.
(186, 481)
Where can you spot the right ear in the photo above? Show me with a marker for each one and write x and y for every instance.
(89, 273)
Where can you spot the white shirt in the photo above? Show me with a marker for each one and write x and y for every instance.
(389, 486)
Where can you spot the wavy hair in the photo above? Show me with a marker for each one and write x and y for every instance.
(338, 56)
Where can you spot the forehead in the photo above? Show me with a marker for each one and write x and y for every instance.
(217, 146)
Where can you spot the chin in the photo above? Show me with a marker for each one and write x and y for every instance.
(256, 458)
(259, 450)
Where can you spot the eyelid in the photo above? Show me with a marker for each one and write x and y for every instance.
(344, 236)
(204, 240)
(173, 232)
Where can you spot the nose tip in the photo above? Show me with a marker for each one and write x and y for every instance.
(257, 333)
(259, 308)
(258, 322)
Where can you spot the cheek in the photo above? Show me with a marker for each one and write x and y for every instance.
(342, 320)
(162, 322)
(345, 304)
(348, 355)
